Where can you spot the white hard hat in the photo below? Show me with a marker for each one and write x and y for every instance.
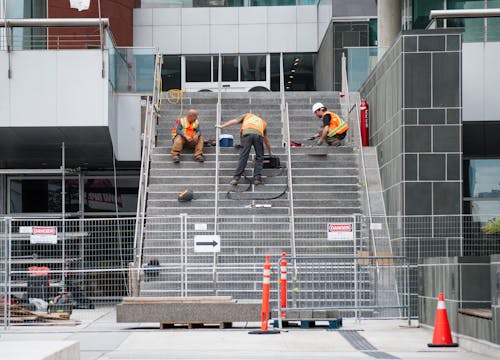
(317, 106)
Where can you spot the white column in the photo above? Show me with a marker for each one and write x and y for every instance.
(2, 30)
(389, 21)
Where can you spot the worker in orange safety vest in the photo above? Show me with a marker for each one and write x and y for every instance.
(333, 129)
(187, 133)
(253, 133)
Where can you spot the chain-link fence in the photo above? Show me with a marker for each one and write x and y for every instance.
(48, 266)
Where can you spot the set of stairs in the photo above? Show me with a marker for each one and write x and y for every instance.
(250, 223)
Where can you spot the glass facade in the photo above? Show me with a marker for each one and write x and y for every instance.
(198, 68)
(229, 68)
(253, 67)
(44, 195)
(223, 3)
(299, 71)
(482, 188)
(171, 72)
(475, 30)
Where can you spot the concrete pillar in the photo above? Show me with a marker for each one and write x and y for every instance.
(389, 21)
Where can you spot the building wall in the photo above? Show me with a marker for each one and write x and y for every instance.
(259, 29)
(70, 90)
(119, 12)
(480, 81)
(415, 98)
(324, 64)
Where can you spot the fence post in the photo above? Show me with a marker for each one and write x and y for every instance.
(8, 264)
(408, 287)
(355, 264)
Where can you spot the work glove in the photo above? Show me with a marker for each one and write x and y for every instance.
(319, 143)
(218, 126)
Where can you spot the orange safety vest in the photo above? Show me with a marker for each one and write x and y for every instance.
(189, 129)
(337, 125)
(251, 121)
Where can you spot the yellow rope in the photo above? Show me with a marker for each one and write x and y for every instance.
(175, 96)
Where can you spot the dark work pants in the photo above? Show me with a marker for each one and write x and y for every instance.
(247, 141)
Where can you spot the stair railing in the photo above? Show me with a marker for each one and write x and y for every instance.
(285, 131)
(345, 89)
(148, 143)
(217, 165)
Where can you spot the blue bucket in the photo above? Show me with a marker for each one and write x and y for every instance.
(226, 140)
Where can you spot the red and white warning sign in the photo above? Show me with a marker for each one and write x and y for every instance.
(43, 235)
(340, 231)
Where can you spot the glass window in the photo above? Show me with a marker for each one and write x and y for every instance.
(421, 11)
(99, 194)
(473, 28)
(253, 67)
(42, 196)
(198, 68)
(299, 69)
(171, 72)
(493, 29)
(483, 211)
(230, 68)
(215, 68)
(484, 178)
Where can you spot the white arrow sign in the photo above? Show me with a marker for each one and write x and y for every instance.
(206, 243)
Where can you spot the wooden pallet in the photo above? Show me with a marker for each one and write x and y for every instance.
(196, 325)
(18, 314)
(309, 323)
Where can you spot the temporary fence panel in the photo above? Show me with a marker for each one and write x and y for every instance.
(357, 286)
(87, 260)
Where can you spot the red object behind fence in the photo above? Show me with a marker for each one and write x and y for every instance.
(363, 122)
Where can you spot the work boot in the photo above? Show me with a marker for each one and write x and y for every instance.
(200, 158)
(258, 182)
(176, 159)
(234, 182)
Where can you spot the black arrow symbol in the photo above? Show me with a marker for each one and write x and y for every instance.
(213, 243)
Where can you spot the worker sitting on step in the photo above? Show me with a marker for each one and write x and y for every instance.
(186, 132)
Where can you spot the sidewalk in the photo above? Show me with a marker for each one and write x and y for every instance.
(100, 337)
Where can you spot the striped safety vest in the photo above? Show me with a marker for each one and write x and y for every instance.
(337, 125)
(189, 129)
(251, 121)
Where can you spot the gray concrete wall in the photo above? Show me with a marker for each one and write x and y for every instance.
(466, 283)
(415, 117)
(324, 64)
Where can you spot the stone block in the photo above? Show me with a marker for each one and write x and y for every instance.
(188, 312)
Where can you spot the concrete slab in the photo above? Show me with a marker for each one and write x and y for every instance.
(40, 350)
(188, 312)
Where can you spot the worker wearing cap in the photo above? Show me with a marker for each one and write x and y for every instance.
(334, 129)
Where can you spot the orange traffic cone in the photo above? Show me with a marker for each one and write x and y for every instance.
(442, 333)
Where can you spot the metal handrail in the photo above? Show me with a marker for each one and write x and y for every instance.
(152, 113)
(285, 131)
(463, 13)
(217, 153)
(345, 88)
(55, 22)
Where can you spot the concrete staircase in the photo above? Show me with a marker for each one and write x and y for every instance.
(325, 186)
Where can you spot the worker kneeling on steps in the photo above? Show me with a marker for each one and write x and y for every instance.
(333, 129)
(186, 132)
(253, 133)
